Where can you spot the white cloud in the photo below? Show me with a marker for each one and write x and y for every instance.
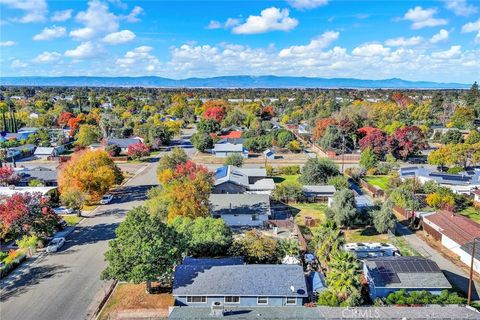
(270, 19)
(50, 33)
(232, 22)
(453, 52)
(84, 51)
(442, 35)
(214, 24)
(119, 37)
(370, 50)
(321, 42)
(133, 15)
(18, 64)
(98, 20)
(422, 18)
(460, 7)
(34, 10)
(8, 43)
(404, 42)
(473, 27)
(64, 15)
(47, 57)
(307, 4)
(139, 59)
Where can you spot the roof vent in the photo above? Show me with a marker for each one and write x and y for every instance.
(217, 309)
(292, 288)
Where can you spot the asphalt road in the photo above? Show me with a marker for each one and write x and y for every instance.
(67, 285)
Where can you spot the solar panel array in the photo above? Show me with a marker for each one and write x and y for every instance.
(407, 266)
(450, 177)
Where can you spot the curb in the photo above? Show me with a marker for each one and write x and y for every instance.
(104, 300)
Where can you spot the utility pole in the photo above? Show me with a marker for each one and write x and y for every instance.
(343, 153)
(471, 274)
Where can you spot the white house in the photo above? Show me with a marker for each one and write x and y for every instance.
(223, 150)
(46, 152)
(233, 180)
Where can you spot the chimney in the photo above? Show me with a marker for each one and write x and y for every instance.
(217, 310)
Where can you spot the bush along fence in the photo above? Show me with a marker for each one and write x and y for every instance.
(13, 260)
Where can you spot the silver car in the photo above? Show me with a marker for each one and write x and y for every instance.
(106, 199)
(55, 244)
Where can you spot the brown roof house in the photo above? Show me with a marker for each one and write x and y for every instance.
(456, 233)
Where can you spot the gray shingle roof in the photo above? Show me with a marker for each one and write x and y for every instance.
(228, 147)
(240, 203)
(41, 174)
(406, 272)
(123, 143)
(240, 280)
(284, 313)
(241, 177)
(319, 189)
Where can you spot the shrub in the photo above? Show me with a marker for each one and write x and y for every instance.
(318, 170)
(234, 160)
(339, 182)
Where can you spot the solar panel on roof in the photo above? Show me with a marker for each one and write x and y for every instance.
(221, 172)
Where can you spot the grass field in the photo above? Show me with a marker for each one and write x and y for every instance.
(314, 210)
(286, 178)
(378, 181)
(71, 219)
(471, 212)
(133, 296)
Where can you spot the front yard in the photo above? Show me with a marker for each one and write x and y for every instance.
(377, 181)
(132, 300)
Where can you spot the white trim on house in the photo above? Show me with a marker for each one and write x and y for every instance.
(262, 303)
(289, 303)
(201, 298)
(231, 302)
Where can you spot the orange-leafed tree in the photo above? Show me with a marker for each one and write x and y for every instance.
(321, 127)
(90, 172)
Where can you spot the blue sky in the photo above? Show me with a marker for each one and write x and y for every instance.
(413, 40)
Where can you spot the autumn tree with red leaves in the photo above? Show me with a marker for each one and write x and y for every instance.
(73, 124)
(27, 214)
(406, 141)
(214, 113)
(8, 176)
(64, 117)
(138, 150)
(375, 139)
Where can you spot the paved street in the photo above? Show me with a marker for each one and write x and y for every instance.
(66, 285)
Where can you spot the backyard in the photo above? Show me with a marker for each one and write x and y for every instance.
(313, 210)
(377, 181)
(286, 178)
(472, 213)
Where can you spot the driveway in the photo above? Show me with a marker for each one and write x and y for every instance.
(67, 285)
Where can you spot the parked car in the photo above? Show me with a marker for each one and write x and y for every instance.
(55, 244)
(63, 210)
(106, 199)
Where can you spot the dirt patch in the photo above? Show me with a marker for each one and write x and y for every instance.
(130, 301)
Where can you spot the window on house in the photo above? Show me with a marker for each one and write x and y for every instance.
(291, 301)
(232, 299)
(196, 299)
(262, 300)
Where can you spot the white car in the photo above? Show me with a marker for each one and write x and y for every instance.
(55, 244)
(63, 210)
(106, 199)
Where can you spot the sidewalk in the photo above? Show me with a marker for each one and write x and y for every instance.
(457, 276)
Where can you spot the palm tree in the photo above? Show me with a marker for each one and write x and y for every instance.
(344, 277)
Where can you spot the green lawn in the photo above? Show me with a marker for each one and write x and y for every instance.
(71, 219)
(378, 181)
(286, 178)
(471, 212)
(314, 210)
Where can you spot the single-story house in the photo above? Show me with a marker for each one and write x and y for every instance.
(22, 151)
(462, 183)
(431, 312)
(386, 275)
(371, 249)
(6, 192)
(214, 283)
(322, 194)
(123, 143)
(241, 210)
(47, 176)
(47, 152)
(234, 180)
(223, 150)
(454, 232)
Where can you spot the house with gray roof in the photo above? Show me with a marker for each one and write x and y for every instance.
(123, 143)
(234, 180)
(46, 152)
(47, 176)
(386, 275)
(323, 194)
(241, 210)
(237, 284)
(223, 150)
(462, 183)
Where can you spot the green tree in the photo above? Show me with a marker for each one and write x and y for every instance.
(234, 159)
(368, 159)
(452, 136)
(332, 140)
(208, 126)
(202, 141)
(462, 118)
(343, 209)
(255, 247)
(144, 250)
(284, 137)
(172, 159)
(339, 182)
(384, 219)
(74, 199)
(87, 134)
(288, 191)
(318, 171)
(344, 276)
(206, 237)
(473, 137)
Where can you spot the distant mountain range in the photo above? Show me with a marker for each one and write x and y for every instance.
(228, 82)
